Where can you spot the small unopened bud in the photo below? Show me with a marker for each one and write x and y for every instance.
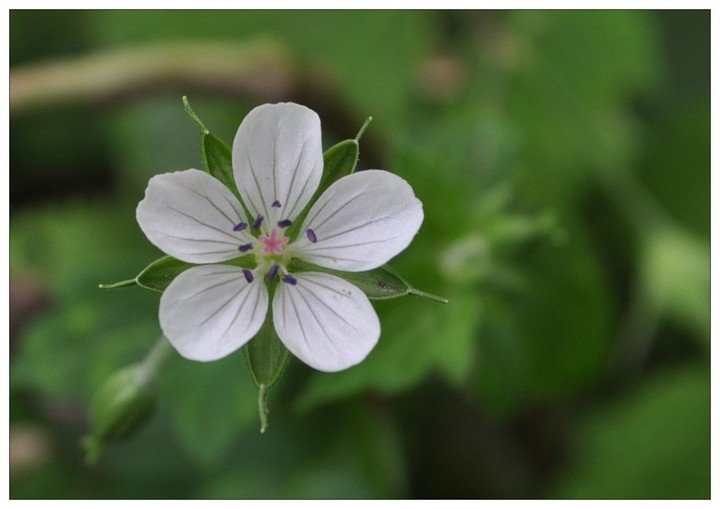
(119, 408)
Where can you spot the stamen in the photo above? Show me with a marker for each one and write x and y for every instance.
(258, 221)
(240, 227)
(248, 275)
(287, 278)
(273, 271)
(276, 204)
(284, 223)
(245, 248)
(311, 235)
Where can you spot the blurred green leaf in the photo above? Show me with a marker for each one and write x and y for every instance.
(675, 277)
(353, 452)
(547, 333)
(83, 319)
(572, 74)
(565, 315)
(210, 405)
(652, 443)
(437, 338)
(677, 165)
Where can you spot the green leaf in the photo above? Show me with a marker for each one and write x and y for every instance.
(381, 283)
(210, 405)
(417, 339)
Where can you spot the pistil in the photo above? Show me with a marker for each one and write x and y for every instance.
(273, 244)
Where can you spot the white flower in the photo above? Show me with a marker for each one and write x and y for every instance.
(359, 223)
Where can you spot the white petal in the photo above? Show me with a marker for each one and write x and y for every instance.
(190, 215)
(277, 156)
(325, 321)
(210, 311)
(361, 222)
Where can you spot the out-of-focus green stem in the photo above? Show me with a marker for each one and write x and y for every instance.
(155, 358)
(260, 68)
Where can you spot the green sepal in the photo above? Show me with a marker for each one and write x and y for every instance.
(215, 153)
(266, 358)
(156, 276)
(160, 273)
(217, 161)
(380, 283)
(266, 355)
(338, 161)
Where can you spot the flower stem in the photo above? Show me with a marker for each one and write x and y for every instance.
(154, 359)
(262, 407)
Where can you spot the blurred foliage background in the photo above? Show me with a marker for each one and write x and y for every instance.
(563, 159)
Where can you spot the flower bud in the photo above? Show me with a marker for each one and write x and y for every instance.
(120, 407)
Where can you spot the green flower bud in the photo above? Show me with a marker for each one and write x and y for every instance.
(120, 407)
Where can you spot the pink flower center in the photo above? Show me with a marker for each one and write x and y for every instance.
(273, 244)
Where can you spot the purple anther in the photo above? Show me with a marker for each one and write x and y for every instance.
(240, 227)
(273, 271)
(245, 248)
(258, 221)
(311, 235)
(284, 223)
(248, 275)
(287, 278)
(276, 204)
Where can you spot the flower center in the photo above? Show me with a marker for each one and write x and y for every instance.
(272, 251)
(273, 244)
